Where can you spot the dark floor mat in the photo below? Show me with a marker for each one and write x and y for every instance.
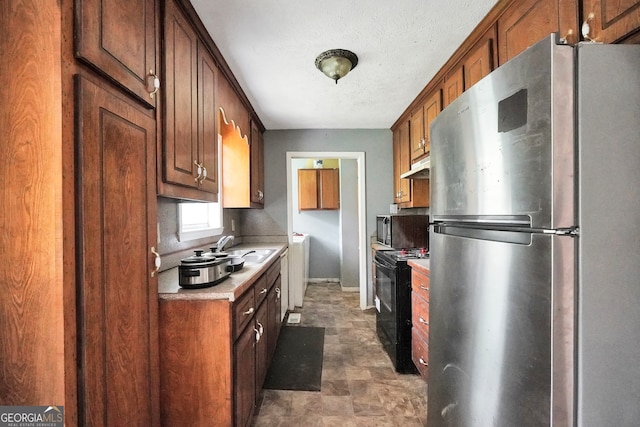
(297, 363)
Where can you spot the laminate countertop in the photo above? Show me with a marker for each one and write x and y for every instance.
(229, 289)
(420, 264)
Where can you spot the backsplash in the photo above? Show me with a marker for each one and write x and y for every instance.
(171, 249)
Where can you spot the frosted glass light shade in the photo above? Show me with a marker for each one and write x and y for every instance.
(336, 63)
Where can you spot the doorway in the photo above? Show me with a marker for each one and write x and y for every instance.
(361, 207)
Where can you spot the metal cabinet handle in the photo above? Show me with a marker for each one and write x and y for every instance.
(258, 335)
(424, 322)
(157, 261)
(260, 328)
(153, 82)
(423, 288)
(199, 170)
(264, 290)
(422, 362)
(278, 292)
(204, 174)
(249, 312)
(586, 28)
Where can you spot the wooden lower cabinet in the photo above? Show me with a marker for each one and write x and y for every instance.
(420, 319)
(214, 356)
(117, 295)
(245, 353)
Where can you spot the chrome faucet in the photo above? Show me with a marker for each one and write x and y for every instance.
(224, 240)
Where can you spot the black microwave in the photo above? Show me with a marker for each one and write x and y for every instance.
(403, 231)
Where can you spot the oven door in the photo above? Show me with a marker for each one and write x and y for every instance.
(385, 296)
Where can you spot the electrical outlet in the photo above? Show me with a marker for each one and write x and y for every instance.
(158, 231)
(233, 225)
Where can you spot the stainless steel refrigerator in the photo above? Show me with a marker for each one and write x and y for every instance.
(535, 243)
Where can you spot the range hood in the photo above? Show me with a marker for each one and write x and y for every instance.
(419, 170)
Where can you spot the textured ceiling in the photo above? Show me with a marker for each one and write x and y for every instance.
(271, 46)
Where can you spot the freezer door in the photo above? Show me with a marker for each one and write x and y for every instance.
(501, 329)
(506, 147)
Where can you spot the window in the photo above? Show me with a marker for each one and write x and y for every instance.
(199, 220)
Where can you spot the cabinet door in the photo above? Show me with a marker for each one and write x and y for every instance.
(478, 63)
(207, 132)
(416, 135)
(432, 108)
(401, 163)
(527, 22)
(119, 38)
(118, 355)
(256, 165)
(307, 189)
(244, 377)
(453, 86)
(612, 20)
(329, 190)
(181, 100)
(262, 346)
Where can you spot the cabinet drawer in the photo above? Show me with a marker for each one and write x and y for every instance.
(420, 284)
(261, 288)
(420, 314)
(420, 353)
(243, 310)
(273, 272)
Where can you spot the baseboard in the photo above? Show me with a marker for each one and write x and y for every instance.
(350, 288)
(323, 280)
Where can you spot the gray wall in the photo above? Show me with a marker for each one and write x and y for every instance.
(375, 143)
(350, 275)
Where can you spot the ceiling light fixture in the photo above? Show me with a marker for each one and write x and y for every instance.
(336, 63)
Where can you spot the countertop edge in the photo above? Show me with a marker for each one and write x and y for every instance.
(421, 265)
(230, 289)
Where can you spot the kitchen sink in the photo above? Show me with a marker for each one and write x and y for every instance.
(253, 256)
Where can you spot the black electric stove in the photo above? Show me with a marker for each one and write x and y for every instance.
(393, 304)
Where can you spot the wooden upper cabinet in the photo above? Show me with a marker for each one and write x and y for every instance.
(432, 108)
(256, 165)
(453, 86)
(401, 164)
(189, 152)
(242, 165)
(526, 22)
(118, 38)
(318, 189)
(416, 133)
(479, 62)
(612, 21)
(207, 115)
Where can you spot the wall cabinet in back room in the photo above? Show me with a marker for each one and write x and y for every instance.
(318, 189)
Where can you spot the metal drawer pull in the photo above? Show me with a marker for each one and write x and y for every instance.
(157, 261)
(423, 288)
(263, 291)
(424, 322)
(257, 335)
(249, 312)
(260, 328)
(422, 362)
(278, 292)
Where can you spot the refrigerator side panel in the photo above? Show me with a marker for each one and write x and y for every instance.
(608, 377)
(496, 149)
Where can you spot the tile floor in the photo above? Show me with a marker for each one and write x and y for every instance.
(359, 384)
